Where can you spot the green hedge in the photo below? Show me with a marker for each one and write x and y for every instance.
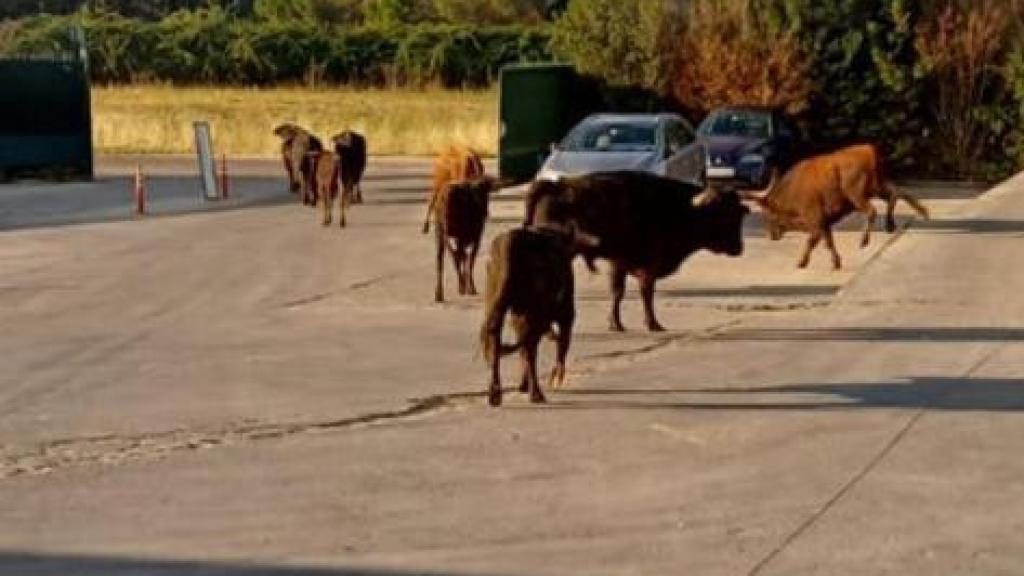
(209, 47)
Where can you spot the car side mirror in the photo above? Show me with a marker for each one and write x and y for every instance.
(553, 147)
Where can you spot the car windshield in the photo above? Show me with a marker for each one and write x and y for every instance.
(749, 124)
(608, 136)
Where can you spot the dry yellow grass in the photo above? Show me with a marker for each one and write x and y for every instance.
(158, 119)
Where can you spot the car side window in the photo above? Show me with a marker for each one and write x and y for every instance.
(677, 135)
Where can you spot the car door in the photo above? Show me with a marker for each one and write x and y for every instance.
(684, 155)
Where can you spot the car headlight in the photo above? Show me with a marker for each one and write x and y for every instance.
(752, 159)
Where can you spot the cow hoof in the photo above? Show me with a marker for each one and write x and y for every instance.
(326, 223)
(494, 398)
(890, 227)
(616, 327)
(537, 397)
(802, 265)
(655, 327)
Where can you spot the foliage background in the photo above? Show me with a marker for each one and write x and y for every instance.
(895, 72)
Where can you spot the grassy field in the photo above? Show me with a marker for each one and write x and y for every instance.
(158, 119)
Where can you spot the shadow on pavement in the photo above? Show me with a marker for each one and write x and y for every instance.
(972, 226)
(921, 334)
(932, 393)
(24, 564)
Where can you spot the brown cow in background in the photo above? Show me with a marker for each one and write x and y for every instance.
(820, 191)
(455, 164)
(299, 150)
(328, 170)
(460, 211)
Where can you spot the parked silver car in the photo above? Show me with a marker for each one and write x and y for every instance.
(663, 144)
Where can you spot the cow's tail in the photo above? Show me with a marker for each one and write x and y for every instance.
(496, 300)
(913, 202)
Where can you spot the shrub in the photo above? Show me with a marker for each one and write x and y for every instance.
(728, 56)
(962, 54)
(621, 41)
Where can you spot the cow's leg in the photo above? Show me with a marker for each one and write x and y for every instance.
(494, 334)
(871, 215)
(564, 340)
(618, 285)
(327, 201)
(358, 190)
(837, 262)
(344, 202)
(536, 394)
(430, 210)
(865, 206)
(647, 281)
(890, 209)
(458, 260)
(471, 265)
(439, 235)
(813, 238)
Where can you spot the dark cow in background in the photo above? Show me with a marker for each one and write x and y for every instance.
(299, 150)
(530, 276)
(822, 190)
(351, 149)
(646, 226)
(460, 212)
(454, 164)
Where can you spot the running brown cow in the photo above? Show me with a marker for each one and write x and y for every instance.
(646, 226)
(460, 211)
(530, 277)
(455, 164)
(299, 150)
(351, 149)
(822, 190)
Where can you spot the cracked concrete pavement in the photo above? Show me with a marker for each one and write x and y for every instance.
(244, 392)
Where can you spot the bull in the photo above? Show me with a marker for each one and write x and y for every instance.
(460, 212)
(646, 225)
(299, 150)
(454, 164)
(530, 276)
(820, 191)
(351, 150)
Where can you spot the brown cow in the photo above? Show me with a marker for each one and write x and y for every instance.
(819, 192)
(299, 150)
(328, 169)
(647, 226)
(455, 164)
(460, 211)
(529, 275)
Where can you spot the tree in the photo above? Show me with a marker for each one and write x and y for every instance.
(621, 41)
(728, 56)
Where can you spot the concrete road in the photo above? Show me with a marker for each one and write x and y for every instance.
(244, 392)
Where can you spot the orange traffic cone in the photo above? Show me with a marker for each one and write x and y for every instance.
(140, 191)
(225, 183)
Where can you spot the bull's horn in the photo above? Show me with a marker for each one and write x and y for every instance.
(709, 195)
(761, 194)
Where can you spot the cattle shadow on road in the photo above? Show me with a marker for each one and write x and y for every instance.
(972, 226)
(922, 335)
(25, 564)
(926, 392)
(751, 291)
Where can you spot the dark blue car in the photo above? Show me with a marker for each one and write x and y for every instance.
(746, 145)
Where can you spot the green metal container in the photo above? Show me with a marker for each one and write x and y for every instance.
(539, 104)
(45, 118)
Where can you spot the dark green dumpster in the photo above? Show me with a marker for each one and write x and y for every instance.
(537, 108)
